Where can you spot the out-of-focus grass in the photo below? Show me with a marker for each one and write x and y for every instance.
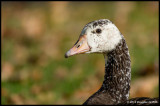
(36, 35)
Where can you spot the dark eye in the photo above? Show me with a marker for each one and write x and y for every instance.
(98, 31)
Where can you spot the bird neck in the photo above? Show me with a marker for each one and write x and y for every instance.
(117, 73)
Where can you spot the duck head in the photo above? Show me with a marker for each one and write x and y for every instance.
(99, 36)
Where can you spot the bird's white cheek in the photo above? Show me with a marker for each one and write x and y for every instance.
(95, 43)
(91, 41)
(112, 39)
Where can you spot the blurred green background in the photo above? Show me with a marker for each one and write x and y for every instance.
(36, 35)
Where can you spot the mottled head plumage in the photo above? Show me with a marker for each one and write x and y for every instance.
(102, 35)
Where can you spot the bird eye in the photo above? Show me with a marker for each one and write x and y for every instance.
(98, 31)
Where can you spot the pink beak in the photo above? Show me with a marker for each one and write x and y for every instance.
(80, 47)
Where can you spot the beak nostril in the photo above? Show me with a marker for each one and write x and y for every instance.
(78, 46)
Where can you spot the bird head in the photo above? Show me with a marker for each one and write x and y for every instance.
(98, 36)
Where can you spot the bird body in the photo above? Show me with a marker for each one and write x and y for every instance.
(102, 36)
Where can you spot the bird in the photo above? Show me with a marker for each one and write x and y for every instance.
(103, 37)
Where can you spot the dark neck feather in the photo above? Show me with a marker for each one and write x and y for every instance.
(117, 72)
(116, 84)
